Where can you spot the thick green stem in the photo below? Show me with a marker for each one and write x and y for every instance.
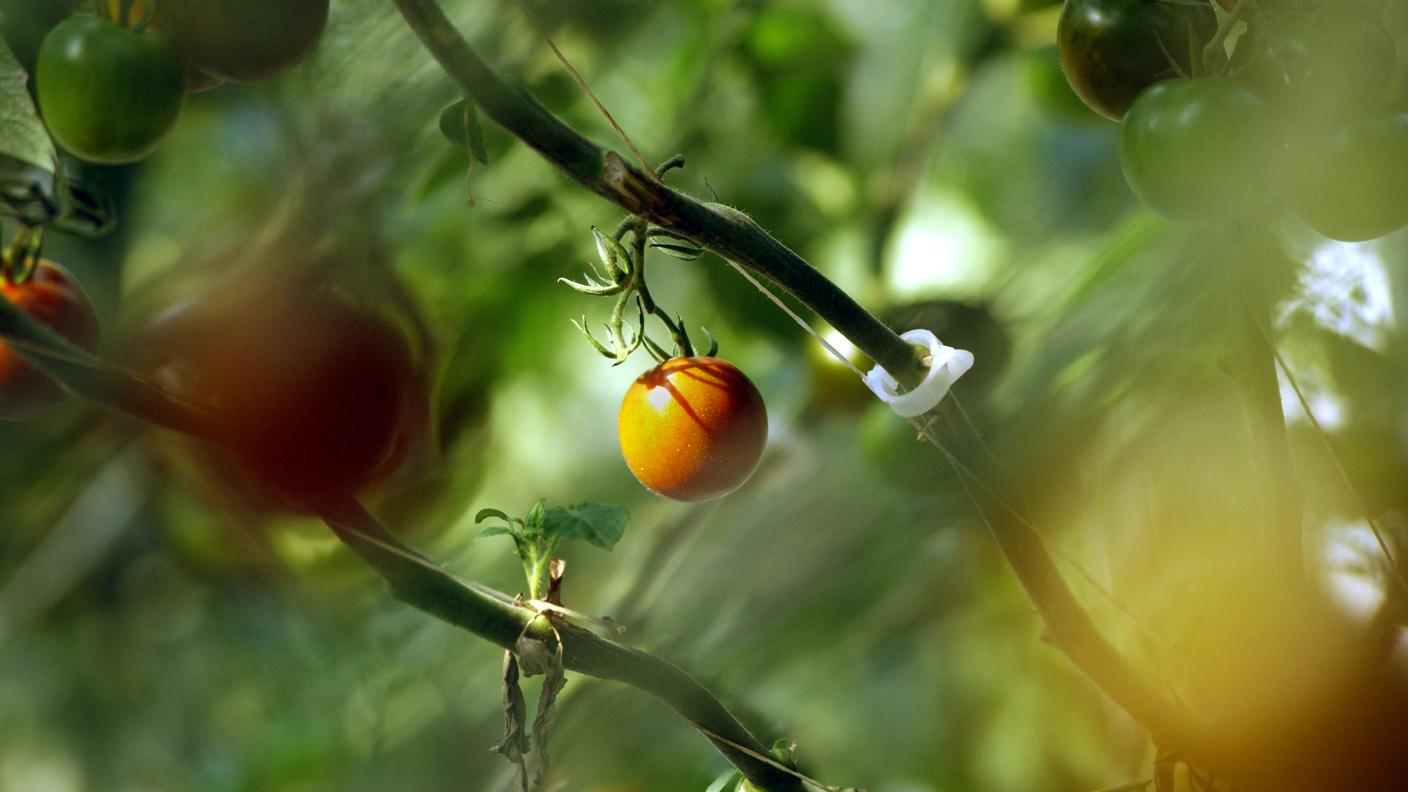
(731, 234)
(498, 618)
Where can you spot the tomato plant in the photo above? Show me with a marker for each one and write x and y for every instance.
(1355, 181)
(244, 40)
(50, 295)
(1199, 150)
(1113, 49)
(315, 396)
(693, 428)
(107, 93)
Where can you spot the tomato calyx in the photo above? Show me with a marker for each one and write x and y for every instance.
(21, 259)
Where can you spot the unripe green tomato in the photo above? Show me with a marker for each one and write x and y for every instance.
(1355, 176)
(1319, 62)
(109, 94)
(1200, 151)
(244, 40)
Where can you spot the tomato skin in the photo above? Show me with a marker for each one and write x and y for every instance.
(315, 397)
(693, 429)
(1337, 55)
(1200, 151)
(109, 94)
(1113, 49)
(244, 41)
(51, 296)
(1355, 184)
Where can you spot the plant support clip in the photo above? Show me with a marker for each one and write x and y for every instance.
(946, 365)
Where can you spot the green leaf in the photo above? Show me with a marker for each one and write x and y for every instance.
(459, 123)
(533, 523)
(497, 530)
(484, 514)
(600, 525)
(729, 780)
(22, 135)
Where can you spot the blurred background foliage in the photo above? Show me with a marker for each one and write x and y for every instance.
(155, 634)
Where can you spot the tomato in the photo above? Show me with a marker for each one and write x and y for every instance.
(244, 40)
(315, 397)
(52, 296)
(1355, 176)
(1200, 151)
(693, 429)
(109, 94)
(1336, 55)
(1113, 49)
(196, 80)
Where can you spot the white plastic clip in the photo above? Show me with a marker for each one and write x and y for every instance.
(946, 365)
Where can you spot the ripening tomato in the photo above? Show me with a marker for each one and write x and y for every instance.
(52, 296)
(1354, 183)
(1200, 151)
(693, 428)
(109, 94)
(1113, 49)
(244, 40)
(315, 396)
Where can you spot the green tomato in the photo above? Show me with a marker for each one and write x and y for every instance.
(1355, 183)
(107, 93)
(244, 40)
(1113, 49)
(1200, 151)
(1341, 54)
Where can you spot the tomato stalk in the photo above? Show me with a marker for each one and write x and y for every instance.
(621, 275)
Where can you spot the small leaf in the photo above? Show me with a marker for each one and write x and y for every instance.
(600, 525)
(484, 514)
(459, 123)
(727, 782)
(497, 530)
(533, 523)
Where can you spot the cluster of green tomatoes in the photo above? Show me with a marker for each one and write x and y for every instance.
(1248, 106)
(111, 86)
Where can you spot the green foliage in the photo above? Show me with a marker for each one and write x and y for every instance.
(851, 602)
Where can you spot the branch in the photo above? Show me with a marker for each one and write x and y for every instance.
(414, 579)
(84, 375)
(498, 618)
(727, 232)
(734, 236)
